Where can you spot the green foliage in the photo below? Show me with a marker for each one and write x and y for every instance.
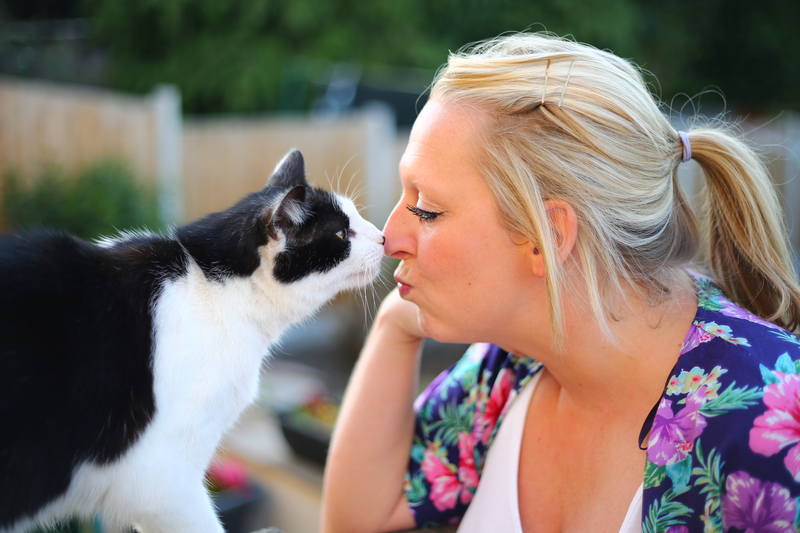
(236, 56)
(418, 492)
(453, 419)
(710, 478)
(731, 398)
(99, 201)
(263, 55)
(654, 475)
(665, 513)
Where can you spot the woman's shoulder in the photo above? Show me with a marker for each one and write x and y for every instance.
(725, 332)
(727, 430)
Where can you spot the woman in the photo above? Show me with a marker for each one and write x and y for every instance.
(542, 215)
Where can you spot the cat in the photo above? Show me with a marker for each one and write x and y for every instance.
(123, 362)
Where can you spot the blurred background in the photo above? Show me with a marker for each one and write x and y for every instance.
(120, 114)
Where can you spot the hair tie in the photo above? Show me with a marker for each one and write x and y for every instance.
(687, 146)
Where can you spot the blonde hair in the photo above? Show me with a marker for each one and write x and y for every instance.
(571, 122)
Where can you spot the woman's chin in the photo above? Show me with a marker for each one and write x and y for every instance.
(443, 332)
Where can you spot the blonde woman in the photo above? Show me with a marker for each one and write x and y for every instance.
(611, 386)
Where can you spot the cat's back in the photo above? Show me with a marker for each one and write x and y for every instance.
(75, 356)
(56, 287)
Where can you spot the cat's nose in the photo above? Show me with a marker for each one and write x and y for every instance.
(384, 240)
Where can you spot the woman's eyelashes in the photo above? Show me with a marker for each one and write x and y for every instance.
(422, 214)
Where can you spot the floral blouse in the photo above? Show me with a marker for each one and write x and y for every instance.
(724, 446)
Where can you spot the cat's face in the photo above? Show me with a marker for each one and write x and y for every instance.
(299, 245)
(319, 244)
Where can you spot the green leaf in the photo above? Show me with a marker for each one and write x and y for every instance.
(785, 364)
(654, 475)
(797, 514)
(785, 335)
(680, 472)
(767, 375)
(733, 398)
(453, 419)
(418, 492)
(710, 479)
(665, 513)
(417, 452)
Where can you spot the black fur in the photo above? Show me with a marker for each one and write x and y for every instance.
(314, 246)
(76, 323)
(76, 382)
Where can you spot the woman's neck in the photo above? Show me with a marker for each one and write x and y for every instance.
(598, 374)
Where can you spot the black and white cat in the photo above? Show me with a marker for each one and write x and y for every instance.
(123, 363)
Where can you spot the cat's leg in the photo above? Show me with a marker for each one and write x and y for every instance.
(185, 510)
(159, 493)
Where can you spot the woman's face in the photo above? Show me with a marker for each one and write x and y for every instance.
(459, 265)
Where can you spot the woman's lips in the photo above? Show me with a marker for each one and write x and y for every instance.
(403, 288)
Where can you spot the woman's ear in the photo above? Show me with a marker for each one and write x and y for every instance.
(564, 223)
(564, 226)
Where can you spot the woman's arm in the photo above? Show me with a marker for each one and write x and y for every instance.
(363, 489)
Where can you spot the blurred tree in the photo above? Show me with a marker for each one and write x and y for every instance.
(263, 55)
(234, 56)
(750, 51)
(100, 200)
(237, 56)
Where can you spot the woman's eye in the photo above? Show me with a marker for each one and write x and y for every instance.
(422, 214)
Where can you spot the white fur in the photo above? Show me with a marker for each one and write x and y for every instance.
(210, 339)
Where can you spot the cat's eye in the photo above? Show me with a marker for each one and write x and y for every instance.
(341, 234)
(422, 214)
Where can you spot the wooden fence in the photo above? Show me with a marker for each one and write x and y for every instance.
(224, 158)
(200, 165)
(50, 125)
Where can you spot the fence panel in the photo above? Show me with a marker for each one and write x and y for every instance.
(226, 158)
(51, 125)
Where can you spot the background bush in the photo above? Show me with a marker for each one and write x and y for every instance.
(101, 200)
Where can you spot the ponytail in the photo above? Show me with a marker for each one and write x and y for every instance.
(745, 242)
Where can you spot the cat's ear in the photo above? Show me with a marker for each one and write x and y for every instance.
(291, 210)
(290, 172)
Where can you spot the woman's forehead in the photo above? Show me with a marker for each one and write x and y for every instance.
(445, 138)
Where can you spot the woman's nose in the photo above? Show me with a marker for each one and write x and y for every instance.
(399, 234)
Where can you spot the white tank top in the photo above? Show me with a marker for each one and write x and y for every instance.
(495, 505)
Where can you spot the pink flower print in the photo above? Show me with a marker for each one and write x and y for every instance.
(672, 436)
(486, 419)
(756, 506)
(673, 385)
(677, 529)
(779, 426)
(449, 484)
(444, 482)
(467, 473)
